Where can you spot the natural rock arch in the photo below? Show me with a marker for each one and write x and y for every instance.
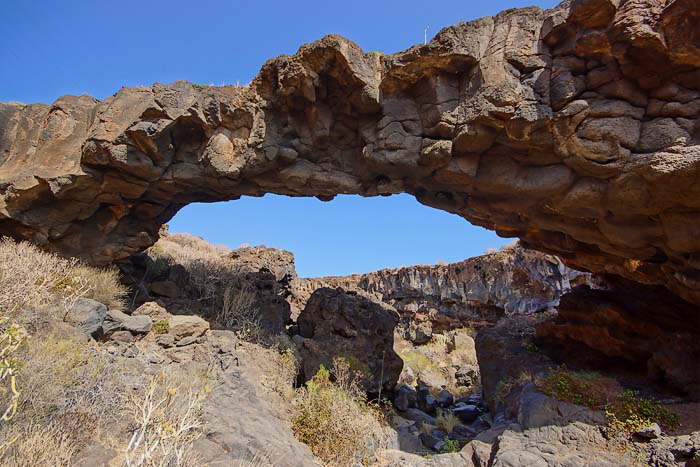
(575, 129)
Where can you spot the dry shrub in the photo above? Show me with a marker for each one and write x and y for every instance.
(334, 418)
(447, 421)
(240, 312)
(66, 390)
(11, 338)
(167, 418)
(61, 375)
(281, 371)
(34, 445)
(30, 277)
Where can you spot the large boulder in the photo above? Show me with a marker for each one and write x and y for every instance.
(87, 315)
(347, 324)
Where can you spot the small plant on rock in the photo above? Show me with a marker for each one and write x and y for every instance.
(450, 446)
(161, 327)
(447, 421)
(629, 413)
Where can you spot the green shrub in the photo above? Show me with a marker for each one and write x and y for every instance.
(629, 413)
(161, 327)
(626, 412)
(577, 387)
(450, 446)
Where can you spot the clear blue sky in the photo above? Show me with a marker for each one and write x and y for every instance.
(52, 48)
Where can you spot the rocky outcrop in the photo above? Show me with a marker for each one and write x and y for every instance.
(575, 129)
(514, 281)
(346, 324)
(259, 276)
(635, 326)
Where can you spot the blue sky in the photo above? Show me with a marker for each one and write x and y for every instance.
(56, 47)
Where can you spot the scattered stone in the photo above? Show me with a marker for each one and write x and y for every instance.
(466, 413)
(118, 321)
(405, 398)
(418, 415)
(652, 431)
(181, 326)
(165, 340)
(152, 309)
(432, 442)
(427, 402)
(467, 375)
(462, 432)
(187, 341)
(122, 336)
(445, 398)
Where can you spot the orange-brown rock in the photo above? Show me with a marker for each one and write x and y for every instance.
(575, 129)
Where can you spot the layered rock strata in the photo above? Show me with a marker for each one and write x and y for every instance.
(512, 281)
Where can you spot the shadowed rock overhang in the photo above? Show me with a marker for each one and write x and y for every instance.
(575, 129)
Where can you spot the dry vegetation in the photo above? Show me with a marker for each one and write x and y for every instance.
(334, 418)
(59, 393)
(214, 284)
(30, 278)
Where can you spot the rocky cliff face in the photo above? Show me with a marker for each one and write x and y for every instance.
(575, 129)
(513, 281)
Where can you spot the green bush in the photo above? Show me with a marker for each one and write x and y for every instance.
(161, 327)
(629, 413)
(626, 411)
(450, 446)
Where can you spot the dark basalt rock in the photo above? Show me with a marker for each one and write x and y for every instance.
(575, 129)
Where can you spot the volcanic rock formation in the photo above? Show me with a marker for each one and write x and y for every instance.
(575, 129)
(512, 281)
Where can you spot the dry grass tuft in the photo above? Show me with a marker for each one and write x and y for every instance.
(34, 445)
(447, 421)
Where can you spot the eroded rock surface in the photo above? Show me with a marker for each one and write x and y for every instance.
(512, 281)
(575, 129)
(636, 326)
(346, 324)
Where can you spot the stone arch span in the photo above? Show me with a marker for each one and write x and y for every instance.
(574, 129)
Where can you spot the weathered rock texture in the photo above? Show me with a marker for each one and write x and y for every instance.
(575, 129)
(346, 324)
(632, 325)
(513, 281)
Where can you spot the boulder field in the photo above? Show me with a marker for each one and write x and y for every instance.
(574, 129)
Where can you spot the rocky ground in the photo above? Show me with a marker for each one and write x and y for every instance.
(442, 342)
(457, 382)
